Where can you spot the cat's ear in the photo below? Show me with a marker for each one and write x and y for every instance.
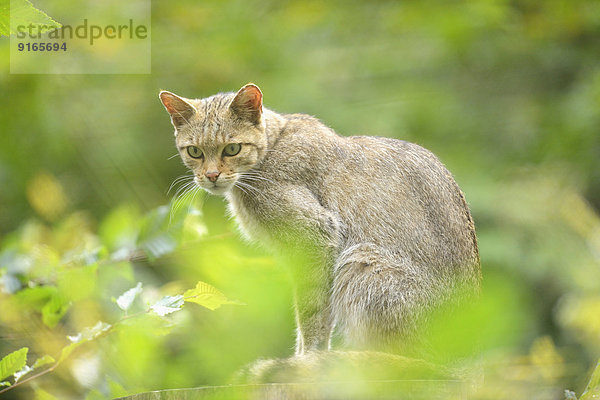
(247, 104)
(180, 109)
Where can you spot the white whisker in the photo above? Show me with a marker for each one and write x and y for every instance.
(179, 180)
(191, 190)
(256, 175)
(246, 185)
(193, 200)
(237, 185)
(183, 189)
(256, 178)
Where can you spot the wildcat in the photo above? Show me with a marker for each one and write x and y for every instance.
(376, 231)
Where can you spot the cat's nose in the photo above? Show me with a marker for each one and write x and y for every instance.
(212, 175)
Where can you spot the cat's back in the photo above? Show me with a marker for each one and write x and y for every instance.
(335, 167)
(386, 191)
(401, 196)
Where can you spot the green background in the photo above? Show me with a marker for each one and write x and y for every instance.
(506, 93)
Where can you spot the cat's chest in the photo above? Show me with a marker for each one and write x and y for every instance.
(246, 217)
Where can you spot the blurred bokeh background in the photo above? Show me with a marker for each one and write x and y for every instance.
(505, 92)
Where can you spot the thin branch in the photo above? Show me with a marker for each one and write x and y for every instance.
(34, 376)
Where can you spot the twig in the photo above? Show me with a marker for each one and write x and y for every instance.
(34, 376)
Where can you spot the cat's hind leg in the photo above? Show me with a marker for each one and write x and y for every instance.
(380, 300)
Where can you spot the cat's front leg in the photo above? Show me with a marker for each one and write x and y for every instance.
(308, 237)
(314, 320)
(310, 260)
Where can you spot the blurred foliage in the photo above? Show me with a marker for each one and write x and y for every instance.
(505, 92)
(62, 283)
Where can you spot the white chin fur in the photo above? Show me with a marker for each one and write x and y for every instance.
(218, 190)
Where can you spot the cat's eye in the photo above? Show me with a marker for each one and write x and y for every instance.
(194, 152)
(232, 149)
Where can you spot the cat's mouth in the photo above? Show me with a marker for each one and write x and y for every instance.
(218, 188)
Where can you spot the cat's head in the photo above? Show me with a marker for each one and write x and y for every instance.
(220, 137)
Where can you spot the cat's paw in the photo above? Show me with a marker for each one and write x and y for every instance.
(334, 366)
(263, 371)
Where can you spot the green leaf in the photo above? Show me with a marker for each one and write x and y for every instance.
(53, 310)
(21, 12)
(67, 350)
(36, 297)
(5, 383)
(167, 305)
(13, 362)
(126, 299)
(85, 335)
(45, 360)
(592, 391)
(207, 296)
